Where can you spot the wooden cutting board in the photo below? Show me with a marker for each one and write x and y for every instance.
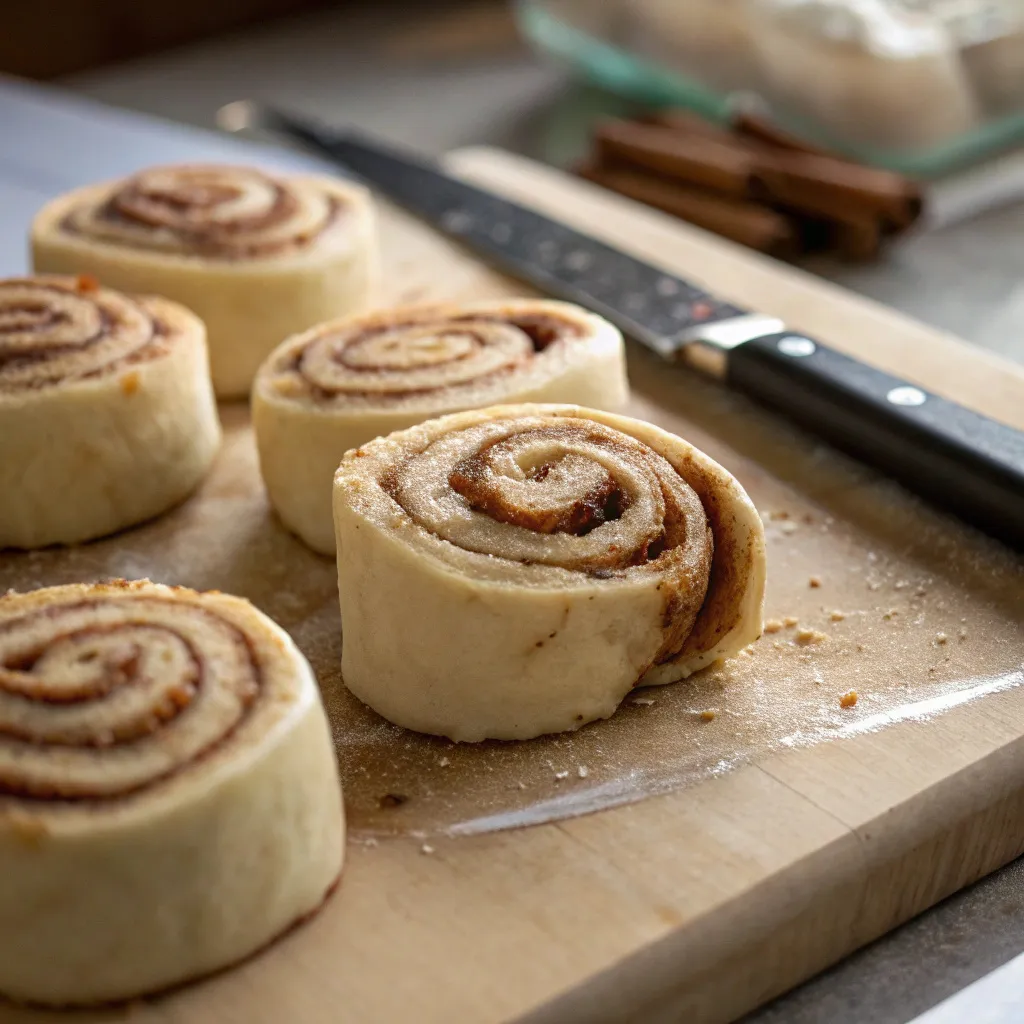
(723, 861)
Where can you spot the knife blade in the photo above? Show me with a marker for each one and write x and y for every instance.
(954, 457)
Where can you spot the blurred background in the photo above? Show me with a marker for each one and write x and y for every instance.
(930, 91)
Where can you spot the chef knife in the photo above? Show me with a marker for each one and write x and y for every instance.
(954, 457)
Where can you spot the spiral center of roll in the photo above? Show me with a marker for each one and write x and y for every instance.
(213, 211)
(412, 358)
(51, 329)
(99, 699)
(539, 487)
(411, 349)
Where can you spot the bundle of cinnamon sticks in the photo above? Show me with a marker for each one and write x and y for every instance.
(753, 183)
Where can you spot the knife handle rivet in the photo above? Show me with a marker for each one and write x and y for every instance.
(501, 233)
(797, 347)
(666, 286)
(906, 395)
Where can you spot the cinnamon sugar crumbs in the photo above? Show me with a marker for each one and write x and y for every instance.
(941, 638)
(790, 621)
(773, 626)
(837, 616)
(130, 383)
(805, 637)
(848, 699)
(707, 716)
(86, 284)
(814, 582)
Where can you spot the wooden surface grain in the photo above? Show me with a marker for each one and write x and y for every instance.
(818, 832)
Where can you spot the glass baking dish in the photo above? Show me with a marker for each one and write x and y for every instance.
(920, 86)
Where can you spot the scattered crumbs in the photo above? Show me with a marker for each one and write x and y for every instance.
(848, 699)
(941, 638)
(444, 762)
(707, 716)
(773, 626)
(643, 701)
(921, 592)
(963, 633)
(391, 800)
(426, 848)
(814, 582)
(874, 585)
(837, 615)
(860, 648)
(370, 841)
(583, 771)
(891, 614)
(790, 621)
(520, 785)
(778, 515)
(778, 645)
(130, 383)
(561, 775)
(804, 637)
(900, 585)
(789, 527)
(932, 670)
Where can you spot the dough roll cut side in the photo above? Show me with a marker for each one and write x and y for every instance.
(107, 416)
(169, 798)
(256, 256)
(514, 571)
(344, 383)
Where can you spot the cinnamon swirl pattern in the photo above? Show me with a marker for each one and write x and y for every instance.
(169, 799)
(257, 257)
(516, 570)
(107, 416)
(344, 383)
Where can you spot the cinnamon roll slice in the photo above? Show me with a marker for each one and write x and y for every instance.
(257, 257)
(107, 417)
(169, 798)
(344, 383)
(515, 571)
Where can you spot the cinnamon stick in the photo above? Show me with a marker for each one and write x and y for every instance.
(702, 160)
(793, 175)
(754, 127)
(744, 222)
(834, 188)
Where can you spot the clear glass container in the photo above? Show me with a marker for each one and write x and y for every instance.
(921, 86)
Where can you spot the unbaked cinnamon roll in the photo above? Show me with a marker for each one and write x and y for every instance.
(257, 257)
(343, 383)
(169, 798)
(107, 417)
(514, 571)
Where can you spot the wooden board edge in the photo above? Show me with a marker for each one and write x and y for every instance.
(739, 956)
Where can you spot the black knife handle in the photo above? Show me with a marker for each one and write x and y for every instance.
(952, 456)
